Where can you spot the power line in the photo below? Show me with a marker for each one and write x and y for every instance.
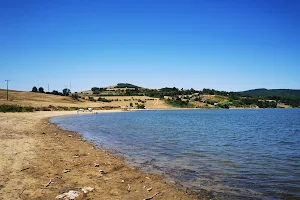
(7, 88)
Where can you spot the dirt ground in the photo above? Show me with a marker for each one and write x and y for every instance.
(40, 161)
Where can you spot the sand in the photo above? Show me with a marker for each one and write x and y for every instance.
(34, 154)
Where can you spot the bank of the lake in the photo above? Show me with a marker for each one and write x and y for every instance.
(41, 161)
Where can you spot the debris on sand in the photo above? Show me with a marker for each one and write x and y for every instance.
(72, 194)
(66, 171)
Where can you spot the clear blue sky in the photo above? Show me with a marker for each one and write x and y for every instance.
(228, 45)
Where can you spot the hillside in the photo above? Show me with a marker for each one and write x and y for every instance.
(35, 99)
(283, 93)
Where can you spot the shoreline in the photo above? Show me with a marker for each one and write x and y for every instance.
(36, 155)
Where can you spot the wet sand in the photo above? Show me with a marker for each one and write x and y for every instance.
(34, 155)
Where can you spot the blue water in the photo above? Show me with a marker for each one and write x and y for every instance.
(236, 154)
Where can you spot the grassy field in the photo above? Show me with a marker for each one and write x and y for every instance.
(44, 100)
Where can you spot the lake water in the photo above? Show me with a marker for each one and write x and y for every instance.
(237, 154)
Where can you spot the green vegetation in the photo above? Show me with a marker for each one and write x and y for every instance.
(177, 102)
(140, 106)
(34, 89)
(41, 90)
(126, 85)
(104, 100)
(66, 92)
(184, 98)
(16, 108)
(75, 96)
(97, 90)
(286, 96)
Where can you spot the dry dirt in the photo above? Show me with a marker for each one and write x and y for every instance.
(34, 154)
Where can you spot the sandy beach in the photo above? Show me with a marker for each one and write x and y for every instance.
(40, 161)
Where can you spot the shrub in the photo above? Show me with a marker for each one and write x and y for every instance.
(16, 108)
(91, 98)
(140, 106)
(104, 100)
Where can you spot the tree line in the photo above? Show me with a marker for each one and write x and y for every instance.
(65, 91)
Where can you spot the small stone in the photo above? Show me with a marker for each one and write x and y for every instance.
(149, 189)
(97, 165)
(43, 133)
(102, 171)
(123, 181)
(70, 135)
(87, 189)
(75, 156)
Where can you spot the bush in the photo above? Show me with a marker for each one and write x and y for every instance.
(75, 96)
(91, 98)
(104, 100)
(16, 108)
(140, 106)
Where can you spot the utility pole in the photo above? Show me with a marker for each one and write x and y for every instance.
(7, 88)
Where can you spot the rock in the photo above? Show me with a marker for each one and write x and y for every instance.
(87, 189)
(68, 195)
(149, 189)
(75, 156)
(43, 133)
(102, 171)
(97, 165)
(70, 135)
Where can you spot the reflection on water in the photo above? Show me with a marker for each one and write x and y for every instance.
(235, 153)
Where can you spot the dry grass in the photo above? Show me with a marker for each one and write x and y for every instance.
(43, 100)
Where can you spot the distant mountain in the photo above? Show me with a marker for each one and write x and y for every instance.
(283, 93)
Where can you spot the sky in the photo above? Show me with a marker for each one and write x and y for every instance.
(230, 45)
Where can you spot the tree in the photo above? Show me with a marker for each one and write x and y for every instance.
(34, 89)
(95, 90)
(41, 90)
(66, 92)
(55, 92)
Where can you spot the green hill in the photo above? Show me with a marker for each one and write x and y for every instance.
(282, 93)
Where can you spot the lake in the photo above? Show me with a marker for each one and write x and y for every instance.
(236, 154)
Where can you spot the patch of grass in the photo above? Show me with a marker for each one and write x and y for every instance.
(104, 100)
(16, 108)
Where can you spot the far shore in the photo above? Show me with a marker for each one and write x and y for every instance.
(41, 161)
